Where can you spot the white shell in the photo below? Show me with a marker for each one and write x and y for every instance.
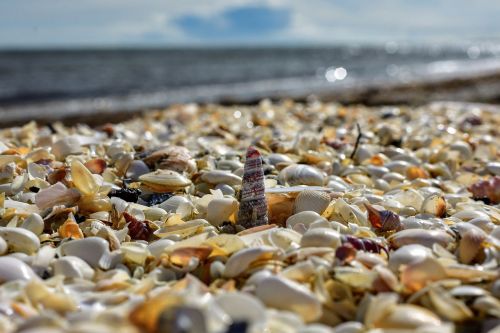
(33, 223)
(408, 254)
(321, 237)
(3, 246)
(66, 146)
(220, 177)
(242, 259)
(171, 204)
(73, 267)
(20, 240)
(14, 269)
(494, 168)
(93, 250)
(305, 218)
(285, 294)
(242, 307)
(219, 210)
(301, 174)
(315, 201)
(156, 248)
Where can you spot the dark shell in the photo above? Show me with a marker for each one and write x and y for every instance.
(253, 203)
(487, 190)
(383, 220)
(138, 230)
(127, 194)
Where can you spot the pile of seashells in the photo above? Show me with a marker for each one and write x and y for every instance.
(288, 217)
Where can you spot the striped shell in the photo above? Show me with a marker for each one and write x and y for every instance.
(253, 203)
(316, 201)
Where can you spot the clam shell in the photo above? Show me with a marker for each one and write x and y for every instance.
(321, 237)
(33, 223)
(419, 236)
(14, 269)
(408, 254)
(164, 181)
(20, 240)
(220, 210)
(305, 219)
(73, 267)
(93, 250)
(301, 174)
(285, 294)
(239, 262)
(220, 177)
(315, 201)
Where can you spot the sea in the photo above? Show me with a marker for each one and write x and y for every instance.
(132, 78)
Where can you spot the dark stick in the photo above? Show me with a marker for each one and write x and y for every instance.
(358, 139)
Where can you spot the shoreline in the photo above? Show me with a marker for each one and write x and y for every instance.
(482, 87)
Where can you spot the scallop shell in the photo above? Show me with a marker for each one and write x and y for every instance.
(316, 201)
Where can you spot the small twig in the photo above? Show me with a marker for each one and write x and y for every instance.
(358, 139)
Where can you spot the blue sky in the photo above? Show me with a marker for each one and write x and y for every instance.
(66, 23)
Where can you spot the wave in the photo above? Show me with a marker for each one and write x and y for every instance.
(439, 74)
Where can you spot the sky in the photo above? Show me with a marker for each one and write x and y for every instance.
(77, 23)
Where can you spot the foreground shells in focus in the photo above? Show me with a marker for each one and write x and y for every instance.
(265, 218)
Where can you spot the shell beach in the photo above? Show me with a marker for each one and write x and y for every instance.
(276, 217)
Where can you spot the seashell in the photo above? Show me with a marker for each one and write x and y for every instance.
(253, 203)
(409, 317)
(301, 174)
(225, 189)
(415, 172)
(239, 262)
(175, 158)
(137, 229)
(242, 307)
(423, 237)
(488, 190)
(434, 204)
(14, 269)
(398, 166)
(154, 214)
(70, 229)
(182, 229)
(73, 267)
(408, 254)
(315, 201)
(57, 194)
(134, 253)
(463, 148)
(220, 177)
(393, 177)
(448, 307)
(123, 162)
(163, 181)
(417, 274)
(69, 145)
(321, 237)
(156, 248)
(275, 159)
(220, 210)
(3, 246)
(493, 168)
(285, 294)
(33, 223)
(305, 219)
(20, 240)
(173, 203)
(93, 250)
(470, 244)
(384, 220)
(83, 179)
(349, 327)
(136, 169)
(96, 165)
(230, 165)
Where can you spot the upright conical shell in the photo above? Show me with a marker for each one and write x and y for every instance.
(253, 204)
